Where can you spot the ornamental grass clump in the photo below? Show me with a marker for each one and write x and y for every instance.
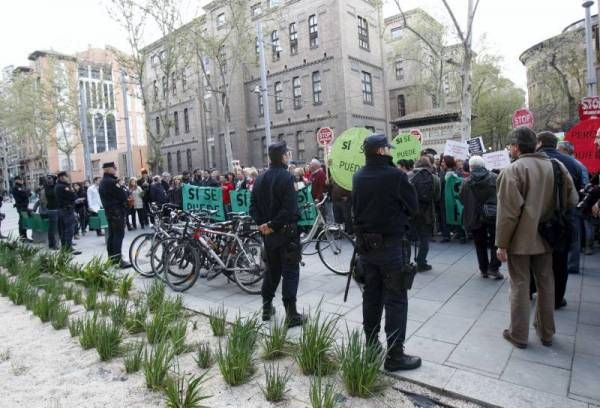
(108, 340)
(124, 286)
(157, 328)
(177, 332)
(75, 326)
(173, 306)
(275, 340)
(136, 318)
(316, 343)
(275, 383)
(185, 393)
(46, 302)
(360, 366)
(322, 395)
(91, 298)
(155, 295)
(236, 361)
(157, 363)
(18, 291)
(134, 357)
(87, 333)
(204, 357)
(59, 316)
(118, 311)
(217, 318)
(4, 285)
(30, 298)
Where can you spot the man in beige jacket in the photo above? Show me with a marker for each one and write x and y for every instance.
(525, 197)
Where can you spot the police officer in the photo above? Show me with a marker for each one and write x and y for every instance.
(52, 210)
(274, 208)
(65, 204)
(114, 201)
(21, 195)
(382, 202)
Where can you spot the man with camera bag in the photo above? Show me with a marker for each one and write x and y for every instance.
(383, 200)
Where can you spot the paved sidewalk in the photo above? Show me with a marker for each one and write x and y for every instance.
(455, 324)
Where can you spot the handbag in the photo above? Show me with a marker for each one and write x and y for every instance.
(557, 230)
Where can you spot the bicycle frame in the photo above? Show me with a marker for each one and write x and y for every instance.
(319, 222)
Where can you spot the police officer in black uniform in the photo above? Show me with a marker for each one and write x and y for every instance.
(382, 202)
(65, 204)
(21, 195)
(114, 201)
(274, 208)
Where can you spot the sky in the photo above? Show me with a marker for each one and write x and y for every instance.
(509, 26)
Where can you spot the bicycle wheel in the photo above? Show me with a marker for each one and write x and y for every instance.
(140, 253)
(181, 260)
(156, 260)
(335, 249)
(250, 268)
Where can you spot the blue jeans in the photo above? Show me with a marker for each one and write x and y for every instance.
(66, 227)
(52, 227)
(575, 248)
(377, 296)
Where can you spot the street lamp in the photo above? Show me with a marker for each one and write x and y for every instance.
(590, 52)
(263, 84)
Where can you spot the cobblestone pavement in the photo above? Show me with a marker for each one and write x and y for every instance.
(455, 324)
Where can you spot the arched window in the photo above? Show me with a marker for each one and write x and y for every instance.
(100, 134)
(178, 162)
(188, 155)
(169, 163)
(111, 132)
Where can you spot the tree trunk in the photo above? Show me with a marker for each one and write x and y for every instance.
(227, 136)
(466, 96)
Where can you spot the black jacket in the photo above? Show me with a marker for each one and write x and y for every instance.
(65, 196)
(21, 195)
(158, 194)
(176, 197)
(382, 198)
(50, 197)
(112, 196)
(477, 189)
(274, 198)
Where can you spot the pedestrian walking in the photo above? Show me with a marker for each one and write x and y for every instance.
(21, 195)
(274, 208)
(114, 201)
(137, 194)
(65, 203)
(526, 194)
(382, 203)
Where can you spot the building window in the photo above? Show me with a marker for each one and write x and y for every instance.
(223, 58)
(188, 155)
(399, 66)
(220, 20)
(261, 105)
(94, 98)
(278, 97)
(297, 92)
(255, 10)
(169, 163)
(157, 126)
(174, 84)
(165, 85)
(183, 80)
(275, 48)
(293, 39)
(176, 122)
(396, 33)
(363, 33)
(155, 86)
(401, 105)
(313, 31)
(367, 88)
(83, 72)
(316, 87)
(178, 162)
(111, 132)
(186, 121)
(99, 132)
(300, 145)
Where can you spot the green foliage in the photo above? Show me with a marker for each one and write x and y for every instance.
(4, 285)
(46, 303)
(316, 343)
(157, 328)
(118, 311)
(75, 327)
(30, 298)
(275, 341)
(87, 332)
(108, 340)
(59, 316)
(125, 285)
(58, 263)
(236, 362)
(19, 290)
(136, 318)
(204, 357)
(217, 318)
(155, 295)
(104, 307)
(182, 393)
(77, 297)
(134, 357)
(173, 306)
(321, 396)
(275, 383)
(360, 366)
(91, 298)
(156, 364)
(177, 332)
(97, 273)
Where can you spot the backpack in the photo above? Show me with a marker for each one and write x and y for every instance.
(423, 183)
(488, 205)
(557, 230)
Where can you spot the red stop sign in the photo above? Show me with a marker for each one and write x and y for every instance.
(523, 117)
(325, 136)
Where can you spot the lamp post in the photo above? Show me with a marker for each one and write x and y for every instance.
(129, 155)
(590, 52)
(263, 84)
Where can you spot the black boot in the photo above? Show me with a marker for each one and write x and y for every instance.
(268, 310)
(292, 317)
(397, 360)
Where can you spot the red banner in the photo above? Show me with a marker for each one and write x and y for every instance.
(583, 136)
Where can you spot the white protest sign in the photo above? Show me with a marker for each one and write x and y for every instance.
(496, 160)
(458, 150)
(476, 146)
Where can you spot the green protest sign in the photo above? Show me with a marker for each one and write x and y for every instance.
(307, 215)
(204, 198)
(240, 201)
(347, 156)
(406, 147)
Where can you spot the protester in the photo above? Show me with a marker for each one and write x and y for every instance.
(213, 180)
(21, 195)
(382, 203)
(478, 195)
(65, 203)
(175, 193)
(428, 189)
(158, 194)
(318, 180)
(451, 177)
(227, 187)
(114, 201)
(526, 194)
(299, 183)
(137, 204)
(80, 210)
(274, 208)
(251, 175)
(166, 181)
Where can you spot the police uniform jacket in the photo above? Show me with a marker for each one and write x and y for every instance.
(112, 196)
(383, 200)
(21, 195)
(50, 197)
(64, 195)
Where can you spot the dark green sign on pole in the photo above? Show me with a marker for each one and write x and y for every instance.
(240, 201)
(204, 198)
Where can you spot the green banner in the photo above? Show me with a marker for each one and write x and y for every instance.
(347, 156)
(204, 198)
(240, 201)
(454, 207)
(307, 215)
(406, 147)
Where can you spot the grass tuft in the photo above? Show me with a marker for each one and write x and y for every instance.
(91, 298)
(359, 366)
(108, 340)
(204, 358)
(157, 364)
(134, 357)
(136, 318)
(185, 393)
(177, 332)
(275, 341)
(322, 396)
(275, 383)
(236, 361)
(59, 316)
(217, 318)
(124, 287)
(315, 346)
(118, 311)
(4, 285)
(157, 328)
(155, 295)
(75, 327)
(46, 303)
(87, 333)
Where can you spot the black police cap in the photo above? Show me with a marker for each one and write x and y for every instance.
(375, 142)
(278, 148)
(109, 165)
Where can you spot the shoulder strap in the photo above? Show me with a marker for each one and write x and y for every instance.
(558, 184)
